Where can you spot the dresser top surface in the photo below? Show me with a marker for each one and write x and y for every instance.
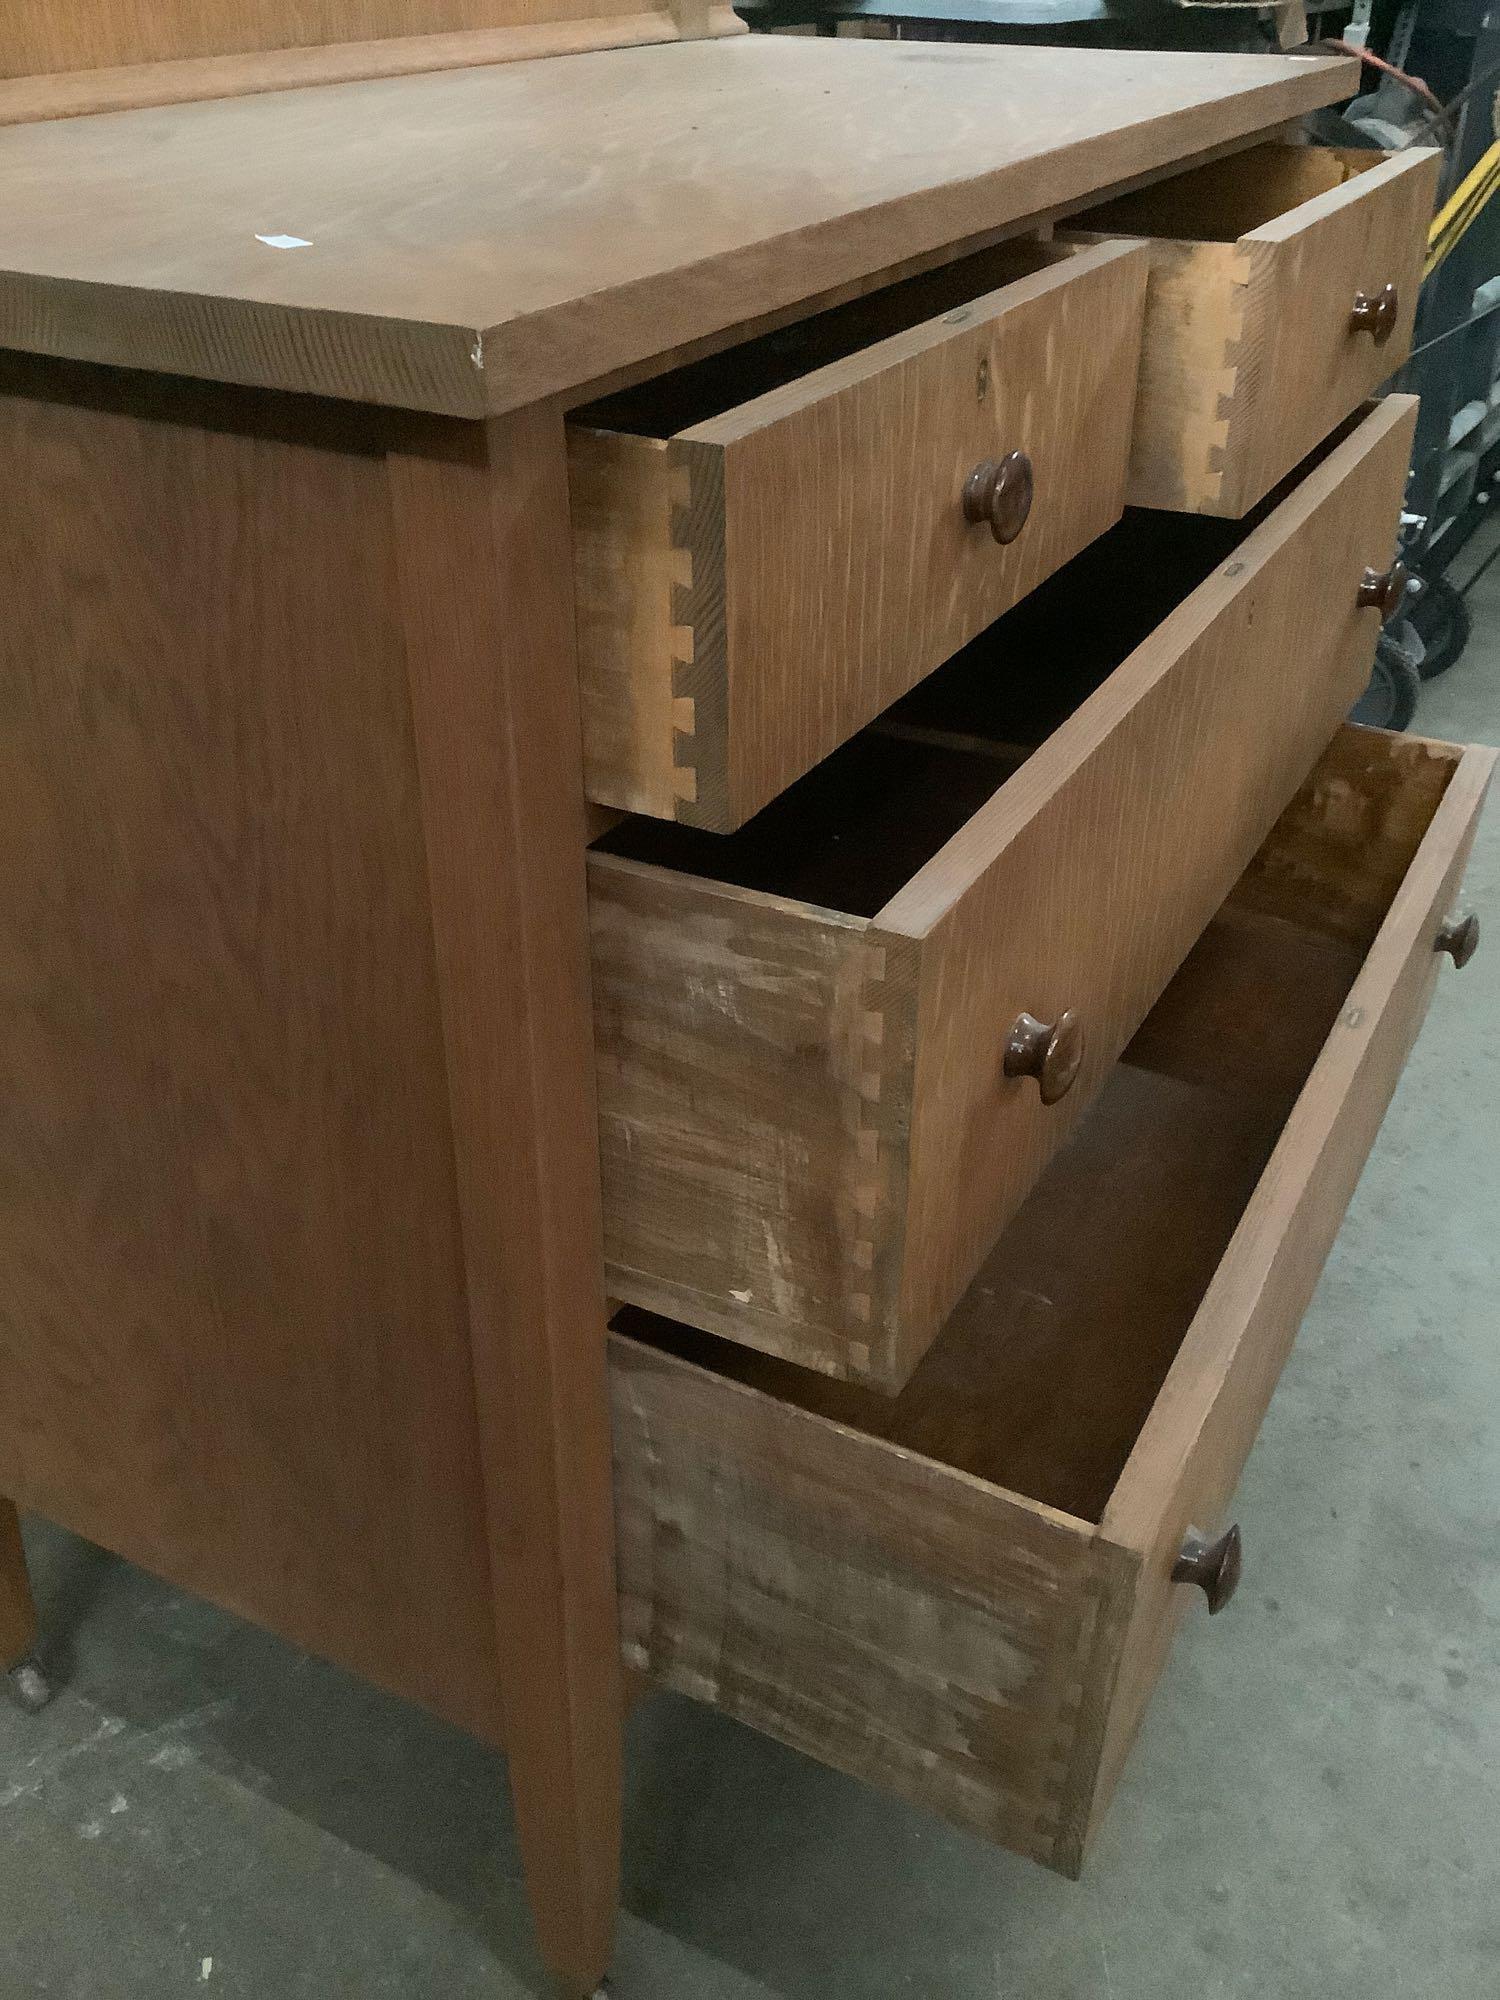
(469, 241)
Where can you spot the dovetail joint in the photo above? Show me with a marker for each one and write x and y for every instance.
(1234, 383)
(684, 693)
(873, 1107)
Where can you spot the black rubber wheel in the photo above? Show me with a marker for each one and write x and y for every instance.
(1390, 701)
(1443, 622)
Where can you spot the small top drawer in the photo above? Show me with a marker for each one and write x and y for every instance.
(774, 544)
(1283, 288)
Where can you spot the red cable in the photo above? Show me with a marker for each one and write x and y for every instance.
(1412, 83)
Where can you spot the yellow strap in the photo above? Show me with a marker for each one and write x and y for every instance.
(1461, 207)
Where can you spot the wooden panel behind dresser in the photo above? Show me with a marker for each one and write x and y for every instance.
(233, 1340)
(38, 36)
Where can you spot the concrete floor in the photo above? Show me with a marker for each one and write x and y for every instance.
(1313, 1809)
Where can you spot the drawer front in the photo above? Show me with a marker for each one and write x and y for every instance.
(808, 1135)
(1190, 1454)
(754, 588)
(1254, 348)
(855, 1576)
(1088, 878)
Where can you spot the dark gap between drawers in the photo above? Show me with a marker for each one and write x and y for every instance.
(854, 831)
(1045, 1374)
(1225, 199)
(707, 388)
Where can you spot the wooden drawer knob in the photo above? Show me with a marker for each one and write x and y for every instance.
(1053, 1055)
(1383, 589)
(1000, 491)
(1213, 1565)
(1459, 937)
(1376, 313)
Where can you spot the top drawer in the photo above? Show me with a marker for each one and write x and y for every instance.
(774, 544)
(1283, 287)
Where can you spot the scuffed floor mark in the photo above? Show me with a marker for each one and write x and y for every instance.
(185, 1724)
(1100, 1929)
(37, 1771)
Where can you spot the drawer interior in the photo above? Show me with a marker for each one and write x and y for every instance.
(1228, 198)
(859, 826)
(704, 389)
(1045, 1374)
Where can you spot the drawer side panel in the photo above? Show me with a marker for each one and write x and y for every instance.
(628, 575)
(754, 1092)
(1195, 314)
(903, 1623)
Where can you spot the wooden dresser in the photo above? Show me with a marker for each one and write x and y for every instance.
(918, 513)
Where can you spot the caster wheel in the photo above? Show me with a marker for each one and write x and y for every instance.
(1390, 701)
(1443, 624)
(29, 1687)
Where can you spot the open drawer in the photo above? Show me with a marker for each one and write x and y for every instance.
(966, 1594)
(772, 545)
(837, 1048)
(1283, 288)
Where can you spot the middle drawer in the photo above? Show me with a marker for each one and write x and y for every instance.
(837, 1048)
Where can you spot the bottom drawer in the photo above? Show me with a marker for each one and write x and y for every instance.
(966, 1594)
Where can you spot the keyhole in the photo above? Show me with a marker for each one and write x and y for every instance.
(984, 378)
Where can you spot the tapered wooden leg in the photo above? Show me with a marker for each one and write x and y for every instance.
(486, 594)
(18, 1631)
(17, 1612)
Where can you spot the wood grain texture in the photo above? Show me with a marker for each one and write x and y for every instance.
(1088, 877)
(1189, 1456)
(83, 93)
(626, 495)
(754, 1073)
(1346, 841)
(233, 1340)
(822, 520)
(892, 1618)
(18, 1630)
(485, 237)
(1249, 358)
(771, 1073)
(481, 524)
(912, 1589)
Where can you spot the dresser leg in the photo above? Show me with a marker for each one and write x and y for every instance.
(24, 1678)
(485, 577)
